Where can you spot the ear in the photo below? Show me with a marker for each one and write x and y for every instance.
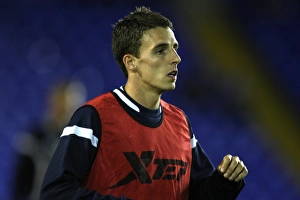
(129, 62)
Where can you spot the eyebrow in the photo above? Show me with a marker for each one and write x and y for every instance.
(163, 45)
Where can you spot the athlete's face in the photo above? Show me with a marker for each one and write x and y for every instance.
(158, 60)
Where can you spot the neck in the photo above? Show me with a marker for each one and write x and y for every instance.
(143, 96)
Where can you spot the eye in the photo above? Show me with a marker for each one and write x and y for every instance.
(176, 46)
(161, 51)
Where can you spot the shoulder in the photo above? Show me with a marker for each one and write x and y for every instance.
(84, 116)
(167, 107)
(102, 100)
(173, 111)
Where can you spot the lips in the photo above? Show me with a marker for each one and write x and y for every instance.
(173, 74)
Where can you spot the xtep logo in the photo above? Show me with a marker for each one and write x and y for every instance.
(165, 170)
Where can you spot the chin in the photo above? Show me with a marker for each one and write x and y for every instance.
(170, 88)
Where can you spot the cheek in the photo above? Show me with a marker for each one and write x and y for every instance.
(154, 72)
(150, 69)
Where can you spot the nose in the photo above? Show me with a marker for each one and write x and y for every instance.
(175, 57)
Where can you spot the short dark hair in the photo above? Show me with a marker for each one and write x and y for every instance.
(127, 32)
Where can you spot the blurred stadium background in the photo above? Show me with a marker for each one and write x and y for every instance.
(239, 79)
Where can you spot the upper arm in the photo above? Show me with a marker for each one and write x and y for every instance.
(75, 152)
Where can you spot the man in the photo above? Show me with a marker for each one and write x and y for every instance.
(129, 143)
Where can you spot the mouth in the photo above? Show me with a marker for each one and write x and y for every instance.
(173, 74)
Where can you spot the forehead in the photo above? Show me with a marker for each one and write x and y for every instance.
(153, 37)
